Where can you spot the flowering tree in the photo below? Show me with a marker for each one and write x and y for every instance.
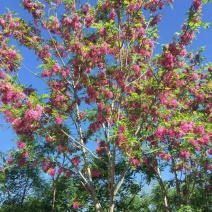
(109, 98)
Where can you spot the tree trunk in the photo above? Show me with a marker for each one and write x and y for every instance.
(177, 182)
(111, 207)
(54, 196)
(98, 207)
(165, 198)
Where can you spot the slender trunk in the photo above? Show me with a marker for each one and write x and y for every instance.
(111, 208)
(80, 134)
(177, 182)
(96, 202)
(111, 178)
(164, 193)
(54, 196)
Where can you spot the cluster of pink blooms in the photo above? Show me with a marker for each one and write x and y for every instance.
(9, 160)
(21, 144)
(135, 162)
(76, 205)
(58, 119)
(168, 101)
(51, 172)
(153, 5)
(168, 60)
(68, 173)
(46, 165)
(75, 161)
(164, 156)
(184, 154)
(92, 93)
(121, 139)
(53, 25)
(95, 173)
(44, 53)
(89, 20)
(10, 54)
(186, 126)
(187, 37)
(121, 129)
(34, 115)
(197, 4)
(51, 72)
(74, 23)
(101, 148)
(34, 8)
(9, 94)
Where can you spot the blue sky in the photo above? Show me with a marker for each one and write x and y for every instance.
(172, 21)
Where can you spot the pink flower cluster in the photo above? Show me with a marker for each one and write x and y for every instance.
(186, 126)
(76, 205)
(164, 156)
(33, 115)
(51, 172)
(101, 148)
(21, 144)
(58, 119)
(74, 23)
(135, 162)
(167, 101)
(75, 161)
(160, 132)
(95, 173)
(184, 154)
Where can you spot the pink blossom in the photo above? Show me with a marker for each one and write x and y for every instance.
(186, 126)
(44, 166)
(164, 156)
(103, 32)
(60, 170)
(210, 151)
(197, 4)
(88, 20)
(135, 162)
(195, 76)
(100, 117)
(160, 132)
(173, 103)
(75, 161)
(2, 74)
(10, 160)
(108, 94)
(195, 144)
(184, 154)
(112, 14)
(120, 138)
(25, 154)
(145, 161)
(199, 130)
(59, 119)
(101, 148)
(33, 114)
(136, 68)
(51, 172)
(22, 162)
(82, 115)
(76, 205)
(21, 144)
(69, 173)
(35, 163)
(121, 129)
(95, 173)
(205, 139)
